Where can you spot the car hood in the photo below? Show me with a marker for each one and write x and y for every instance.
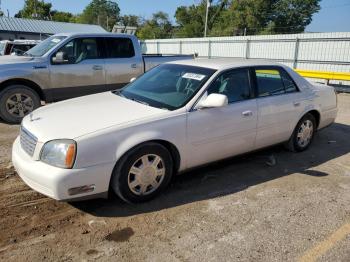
(80, 116)
(10, 59)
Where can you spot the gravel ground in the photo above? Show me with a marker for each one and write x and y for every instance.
(240, 209)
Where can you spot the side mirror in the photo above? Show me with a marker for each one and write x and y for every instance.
(60, 58)
(213, 100)
(132, 79)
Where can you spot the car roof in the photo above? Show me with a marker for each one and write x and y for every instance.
(225, 63)
(94, 34)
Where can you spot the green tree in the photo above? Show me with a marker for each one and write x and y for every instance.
(243, 16)
(292, 16)
(159, 26)
(191, 19)
(237, 17)
(100, 12)
(59, 16)
(35, 9)
(129, 20)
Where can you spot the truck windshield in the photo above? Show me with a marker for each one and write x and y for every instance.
(167, 86)
(45, 46)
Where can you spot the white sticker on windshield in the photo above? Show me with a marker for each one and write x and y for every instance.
(194, 76)
(56, 40)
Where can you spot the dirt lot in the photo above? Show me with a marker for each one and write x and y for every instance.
(241, 209)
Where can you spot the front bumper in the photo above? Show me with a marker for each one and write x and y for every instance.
(55, 182)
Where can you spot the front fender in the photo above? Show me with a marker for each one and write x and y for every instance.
(110, 145)
(39, 76)
(137, 139)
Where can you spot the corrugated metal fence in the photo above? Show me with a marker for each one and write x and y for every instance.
(310, 51)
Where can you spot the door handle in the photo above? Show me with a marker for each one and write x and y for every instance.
(134, 66)
(97, 67)
(296, 104)
(247, 113)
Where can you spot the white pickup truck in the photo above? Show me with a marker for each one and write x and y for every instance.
(70, 65)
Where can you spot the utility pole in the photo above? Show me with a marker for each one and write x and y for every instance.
(206, 18)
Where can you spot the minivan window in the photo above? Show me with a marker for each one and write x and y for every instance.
(120, 47)
(45, 46)
(234, 84)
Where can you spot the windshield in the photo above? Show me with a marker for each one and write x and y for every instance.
(167, 86)
(42, 48)
(21, 49)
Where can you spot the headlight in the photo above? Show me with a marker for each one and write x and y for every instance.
(59, 153)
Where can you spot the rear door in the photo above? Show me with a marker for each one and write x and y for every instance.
(122, 62)
(280, 104)
(83, 71)
(216, 133)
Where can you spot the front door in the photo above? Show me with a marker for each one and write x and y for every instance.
(83, 71)
(217, 133)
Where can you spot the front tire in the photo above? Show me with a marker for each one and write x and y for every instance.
(303, 134)
(17, 101)
(142, 173)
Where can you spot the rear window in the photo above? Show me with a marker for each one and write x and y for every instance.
(272, 81)
(120, 48)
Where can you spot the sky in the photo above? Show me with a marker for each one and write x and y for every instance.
(334, 15)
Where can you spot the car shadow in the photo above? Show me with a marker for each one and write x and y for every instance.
(233, 175)
(5, 123)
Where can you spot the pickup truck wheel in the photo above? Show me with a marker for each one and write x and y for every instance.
(16, 101)
(142, 173)
(303, 134)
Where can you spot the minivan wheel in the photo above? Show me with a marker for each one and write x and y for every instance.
(17, 101)
(142, 173)
(303, 134)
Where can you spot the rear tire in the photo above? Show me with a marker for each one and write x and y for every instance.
(142, 173)
(303, 134)
(17, 101)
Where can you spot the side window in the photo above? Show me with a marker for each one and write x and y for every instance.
(120, 47)
(234, 84)
(79, 50)
(289, 84)
(269, 82)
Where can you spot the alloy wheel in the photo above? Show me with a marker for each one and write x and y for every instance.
(146, 174)
(19, 105)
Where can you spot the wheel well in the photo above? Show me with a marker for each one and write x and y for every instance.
(174, 152)
(316, 115)
(24, 82)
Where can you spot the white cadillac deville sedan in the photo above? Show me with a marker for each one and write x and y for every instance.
(177, 116)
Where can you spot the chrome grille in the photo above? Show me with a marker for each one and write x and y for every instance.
(28, 141)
